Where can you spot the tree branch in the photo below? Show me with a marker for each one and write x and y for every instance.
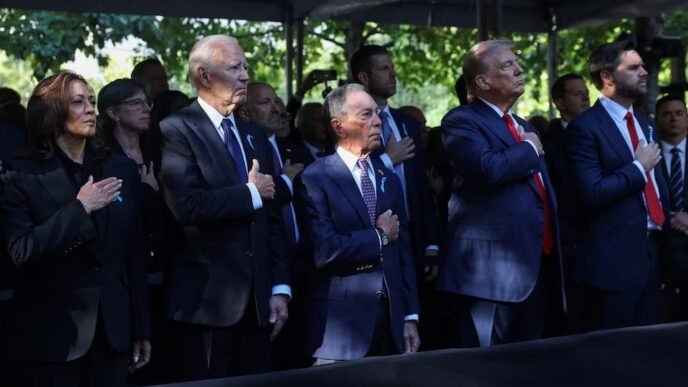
(327, 38)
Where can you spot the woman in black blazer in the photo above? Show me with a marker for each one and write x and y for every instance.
(71, 211)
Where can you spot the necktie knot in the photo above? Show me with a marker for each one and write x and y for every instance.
(363, 164)
(512, 128)
(675, 151)
(629, 117)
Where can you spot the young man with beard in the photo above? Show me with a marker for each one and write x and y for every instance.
(624, 202)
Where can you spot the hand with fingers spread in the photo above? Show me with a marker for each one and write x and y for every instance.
(648, 155)
(148, 177)
(279, 313)
(140, 355)
(399, 151)
(94, 196)
(291, 170)
(389, 223)
(533, 138)
(679, 221)
(411, 337)
(264, 183)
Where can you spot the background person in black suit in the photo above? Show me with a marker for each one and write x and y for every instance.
(230, 280)
(672, 122)
(570, 96)
(71, 213)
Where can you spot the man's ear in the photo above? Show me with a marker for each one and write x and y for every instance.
(337, 128)
(607, 77)
(243, 113)
(482, 82)
(204, 76)
(362, 78)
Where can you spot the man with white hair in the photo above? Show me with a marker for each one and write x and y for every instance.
(230, 281)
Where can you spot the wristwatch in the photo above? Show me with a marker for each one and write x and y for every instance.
(384, 238)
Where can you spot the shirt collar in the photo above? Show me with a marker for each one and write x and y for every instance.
(497, 110)
(615, 110)
(350, 159)
(214, 116)
(666, 147)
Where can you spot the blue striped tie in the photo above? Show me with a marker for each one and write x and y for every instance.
(676, 180)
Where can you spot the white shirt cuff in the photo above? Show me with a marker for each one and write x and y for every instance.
(533, 145)
(282, 289)
(289, 183)
(255, 196)
(642, 170)
(411, 317)
(387, 161)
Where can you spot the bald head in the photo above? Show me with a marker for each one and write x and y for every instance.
(262, 106)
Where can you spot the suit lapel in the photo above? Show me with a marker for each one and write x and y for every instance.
(199, 122)
(399, 121)
(342, 177)
(56, 182)
(247, 141)
(382, 186)
(493, 122)
(609, 129)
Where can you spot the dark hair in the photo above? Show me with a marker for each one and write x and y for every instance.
(606, 58)
(113, 94)
(8, 95)
(668, 98)
(559, 85)
(139, 68)
(166, 103)
(47, 111)
(360, 60)
(461, 90)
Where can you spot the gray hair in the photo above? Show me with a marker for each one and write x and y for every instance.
(334, 102)
(205, 53)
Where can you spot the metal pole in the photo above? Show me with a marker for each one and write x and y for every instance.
(499, 23)
(480, 19)
(299, 51)
(551, 57)
(289, 57)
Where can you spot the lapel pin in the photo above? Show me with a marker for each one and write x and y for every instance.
(382, 184)
(119, 198)
(380, 172)
(249, 139)
(652, 135)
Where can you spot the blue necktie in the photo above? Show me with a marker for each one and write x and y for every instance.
(368, 190)
(232, 144)
(288, 214)
(386, 129)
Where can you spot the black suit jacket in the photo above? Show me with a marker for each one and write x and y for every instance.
(422, 216)
(72, 266)
(231, 251)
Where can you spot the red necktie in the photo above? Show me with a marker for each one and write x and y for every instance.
(654, 208)
(548, 232)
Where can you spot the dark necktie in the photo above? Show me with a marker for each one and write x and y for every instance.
(654, 208)
(548, 231)
(287, 212)
(232, 144)
(676, 180)
(386, 129)
(368, 190)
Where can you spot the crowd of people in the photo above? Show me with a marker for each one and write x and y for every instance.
(303, 234)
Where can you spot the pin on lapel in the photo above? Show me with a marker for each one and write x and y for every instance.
(382, 184)
(380, 172)
(403, 128)
(119, 198)
(651, 135)
(249, 139)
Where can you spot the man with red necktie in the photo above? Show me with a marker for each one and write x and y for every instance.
(503, 230)
(624, 203)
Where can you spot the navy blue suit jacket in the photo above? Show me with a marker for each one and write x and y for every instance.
(420, 202)
(613, 252)
(230, 250)
(496, 215)
(349, 262)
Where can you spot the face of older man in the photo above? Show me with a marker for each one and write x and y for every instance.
(503, 78)
(263, 106)
(227, 78)
(360, 127)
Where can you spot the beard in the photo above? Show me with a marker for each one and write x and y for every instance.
(631, 91)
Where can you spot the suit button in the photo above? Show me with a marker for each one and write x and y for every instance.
(249, 253)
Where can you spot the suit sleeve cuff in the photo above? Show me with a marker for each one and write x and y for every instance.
(255, 196)
(642, 170)
(411, 317)
(282, 289)
(534, 147)
(289, 183)
(387, 161)
(432, 249)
